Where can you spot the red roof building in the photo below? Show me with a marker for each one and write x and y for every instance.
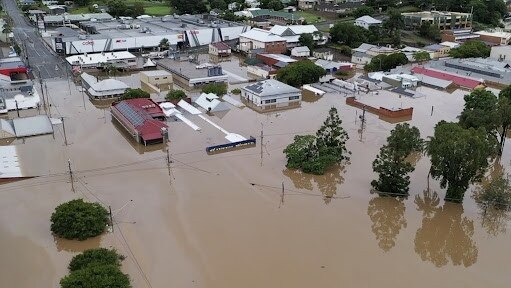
(457, 79)
(142, 118)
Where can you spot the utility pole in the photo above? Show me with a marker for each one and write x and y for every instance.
(362, 122)
(17, 109)
(42, 91)
(48, 99)
(164, 133)
(64, 128)
(111, 218)
(432, 107)
(282, 196)
(71, 175)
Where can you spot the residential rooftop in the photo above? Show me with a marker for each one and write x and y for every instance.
(270, 87)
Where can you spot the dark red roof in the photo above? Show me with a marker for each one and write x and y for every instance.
(459, 80)
(140, 113)
(220, 45)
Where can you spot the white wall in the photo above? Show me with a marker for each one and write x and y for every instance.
(278, 98)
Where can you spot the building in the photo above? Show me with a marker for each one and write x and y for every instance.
(262, 71)
(443, 20)
(292, 34)
(365, 52)
(122, 59)
(141, 118)
(17, 92)
(57, 9)
(75, 19)
(265, 17)
(307, 4)
(437, 50)
(367, 21)
(275, 60)
(496, 37)
(156, 80)
(501, 53)
(462, 81)
(211, 103)
(332, 66)
(459, 35)
(325, 54)
(11, 66)
(338, 8)
(181, 31)
(302, 51)
(271, 94)
(219, 49)
(191, 76)
(263, 40)
(102, 89)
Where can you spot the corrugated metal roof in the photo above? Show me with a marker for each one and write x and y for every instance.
(6, 128)
(261, 35)
(9, 163)
(270, 87)
(32, 126)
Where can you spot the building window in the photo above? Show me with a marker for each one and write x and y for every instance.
(294, 98)
(156, 78)
(270, 101)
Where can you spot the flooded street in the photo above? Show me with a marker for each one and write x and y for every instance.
(222, 220)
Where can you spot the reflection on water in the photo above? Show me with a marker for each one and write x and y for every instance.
(326, 183)
(494, 221)
(445, 235)
(76, 245)
(387, 214)
(309, 97)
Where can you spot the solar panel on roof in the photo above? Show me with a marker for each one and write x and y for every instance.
(130, 114)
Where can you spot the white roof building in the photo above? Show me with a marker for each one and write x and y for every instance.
(118, 59)
(104, 89)
(301, 51)
(261, 35)
(211, 102)
(367, 21)
(292, 33)
(271, 93)
(450, 44)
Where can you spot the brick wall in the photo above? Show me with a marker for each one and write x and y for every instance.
(279, 47)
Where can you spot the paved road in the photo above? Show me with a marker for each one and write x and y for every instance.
(41, 59)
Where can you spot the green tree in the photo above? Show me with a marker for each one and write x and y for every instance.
(189, 6)
(391, 164)
(471, 49)
(175, 95)
(236, 91)
(102, 276)
(218, 4)
(117, 8)
(299, 73)
(348, 34)
(429, 31)
(137, 9)
(362, 11)
(95, 257)
(275, 5)
(81, 3)
(164, 43)
(306, 39)
(495, 194)
(394, 21)
(484, 109)
(216, 88)
(386, 62)
(80, 220)
(314, 154)
(131, 93)
(458, 157)
(421, 56)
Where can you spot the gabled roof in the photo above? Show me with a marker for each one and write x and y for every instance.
(301, 49)
(261, 35)
(368, 19)
(220, 45)
(296, 29)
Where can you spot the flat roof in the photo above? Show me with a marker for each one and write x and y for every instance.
(459, 80)
(9, 162)
(500, 34)
(270, 87)
(31, 126)
(430, 14)
(93, 58)
(154, 73)
(262, 35)
(186, 68)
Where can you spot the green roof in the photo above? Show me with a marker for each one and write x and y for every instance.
(268, 12)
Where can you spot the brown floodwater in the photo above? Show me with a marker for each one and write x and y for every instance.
(222, 220)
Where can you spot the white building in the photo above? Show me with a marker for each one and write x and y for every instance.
(501, 53)
(262, 39)
(292, 33)
(302, 51)
(157, 80)
(104, 89)
(367, 21)
(122, 59)
(271, 94)
(211, 103)
(219, 49)
(365, 52)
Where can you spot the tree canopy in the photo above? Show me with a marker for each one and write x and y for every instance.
(429, 31)
(175, 95)
(101, 276)
(80, 220)
(458, 157)
(348, 34)
(391, 164)
(362, 11)
(314, 154)
(471, 49)
(421, 56)
(496, 193)
(299, 73)
(131, 93)
(216, 88)
(386, 62)
(189, 6)
(306, 39)
(94, 257)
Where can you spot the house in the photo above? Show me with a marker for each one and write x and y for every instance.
(411, 51)
(260, 16)
(191, 76)
(156, 80)
(57, 9)
(12, 65)
(302, 51)
(339, 8)
(495, 37)
(142, 118)
(271, 94)
(307, 4)
(211, 103)
(219, 49)
(332, 66)
(437, 50)
(397, 80)
(262, 71)
(292, 34)
(367, 21)
(444, 20)
(232, 6)
(324, 54)
(365, 52)
(275, 60)
(501, 53)
(290, 9)
(102, 89)
(451, 45)
(262, 39)
(27, 2)
(462, 81)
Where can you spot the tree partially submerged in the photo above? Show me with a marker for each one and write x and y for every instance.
(216, 88)
(80, 220)
(175, 95)
(391, 164)
(459, 157)
(495, 194)
(299, 73)
(101, 276)
(131, 93)
(95, 257)
(314, 154)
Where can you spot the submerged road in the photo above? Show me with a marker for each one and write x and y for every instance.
(41, 59)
